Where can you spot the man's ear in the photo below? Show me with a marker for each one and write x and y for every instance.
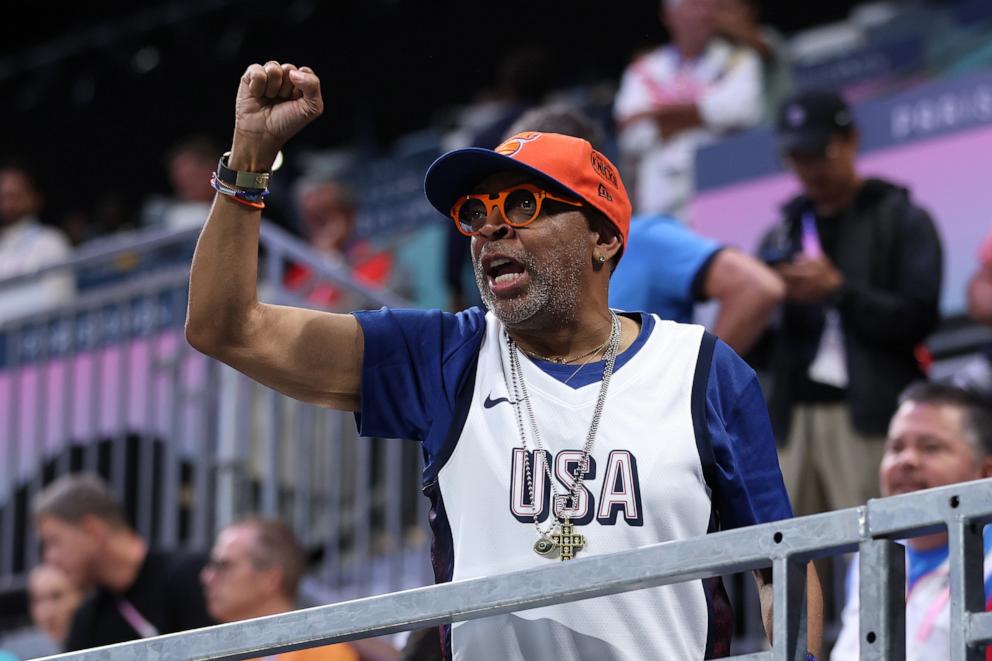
(272, 577)
(607, 243)
(94, 526)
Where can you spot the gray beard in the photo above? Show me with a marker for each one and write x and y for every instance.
(554, 289)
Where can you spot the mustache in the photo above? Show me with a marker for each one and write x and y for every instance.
(516, 254)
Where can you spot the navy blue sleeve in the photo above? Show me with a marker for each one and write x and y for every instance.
(748, 486)
(414, 362)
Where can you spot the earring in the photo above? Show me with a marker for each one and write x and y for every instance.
(602, 258)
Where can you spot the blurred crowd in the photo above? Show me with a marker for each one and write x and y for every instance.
(833, 309)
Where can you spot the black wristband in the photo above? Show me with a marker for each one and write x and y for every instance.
(255, 181)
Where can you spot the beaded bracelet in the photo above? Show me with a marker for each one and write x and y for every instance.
(810, 657)
(251, 198)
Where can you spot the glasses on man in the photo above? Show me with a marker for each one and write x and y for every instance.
(518, 205)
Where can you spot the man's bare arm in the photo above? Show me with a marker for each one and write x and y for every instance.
(312, 356)
(671, 118)
(747, 292)
(814, 606)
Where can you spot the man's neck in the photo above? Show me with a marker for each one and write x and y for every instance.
(689, 50)
(842, 200)
(590, 329)
(273, 606)
(122, 561)
(563, 339)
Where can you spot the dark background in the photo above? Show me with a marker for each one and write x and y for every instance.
(83, 103)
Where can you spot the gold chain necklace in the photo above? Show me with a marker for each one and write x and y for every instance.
(564, 361)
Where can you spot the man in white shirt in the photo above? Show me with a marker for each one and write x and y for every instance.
(25, 246)
(940, 435)
(678, 97)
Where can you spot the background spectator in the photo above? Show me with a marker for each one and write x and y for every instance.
(327, 212)
(137, 592)
(667, 268)
(681, 96)
(26, 244)
(940, 435)
(255, 570)
(53, 600)
(739, 21)
(976, 374)
(861, 265)
(189, 164)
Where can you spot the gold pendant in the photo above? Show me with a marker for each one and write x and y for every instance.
(568, 542)
(544, 546)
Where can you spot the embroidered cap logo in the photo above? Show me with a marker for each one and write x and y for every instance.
(603, 168)
(516, 143)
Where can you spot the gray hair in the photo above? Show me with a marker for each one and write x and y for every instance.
(72, 497)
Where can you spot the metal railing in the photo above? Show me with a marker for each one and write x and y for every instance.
(787, 546)
(107, 383)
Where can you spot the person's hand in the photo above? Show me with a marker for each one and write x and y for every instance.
(274, 102)
(810, 280)
(674, 118)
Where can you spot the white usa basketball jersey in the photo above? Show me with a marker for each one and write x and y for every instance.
(645, 486)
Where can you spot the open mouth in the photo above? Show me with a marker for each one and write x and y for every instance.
(504, 273)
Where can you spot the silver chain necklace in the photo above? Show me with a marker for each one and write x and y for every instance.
(565, 541)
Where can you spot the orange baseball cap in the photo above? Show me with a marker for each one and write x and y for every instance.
(567, 163)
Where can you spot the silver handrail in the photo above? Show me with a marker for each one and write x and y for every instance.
(278, 244)
(785, 545)
(107, 382)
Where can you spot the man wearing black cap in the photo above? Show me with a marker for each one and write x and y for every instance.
(551, 426)
(862, 267)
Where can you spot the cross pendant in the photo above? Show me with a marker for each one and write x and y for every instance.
(567, 541)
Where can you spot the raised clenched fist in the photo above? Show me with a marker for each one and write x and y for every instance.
(274, 102)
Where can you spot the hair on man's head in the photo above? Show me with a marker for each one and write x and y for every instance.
(72, 497)
(276, 545)
(560, 118)
(977, 408)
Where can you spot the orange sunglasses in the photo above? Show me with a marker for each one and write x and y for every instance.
(518, 205)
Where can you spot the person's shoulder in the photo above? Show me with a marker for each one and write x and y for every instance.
(45, 237)
(676, 329)
(413, 322)
(729, 374)
(658, 233)
(651, 54)
(90, 603)
(728, 359)
(656, 224)
(893, 201)
(720, 50)
(470, 317)
(84, 620)
(677, 336)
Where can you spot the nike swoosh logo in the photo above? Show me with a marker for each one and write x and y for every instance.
(490, 402)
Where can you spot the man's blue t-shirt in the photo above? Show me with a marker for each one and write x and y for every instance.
(416, 363)
(662, 269)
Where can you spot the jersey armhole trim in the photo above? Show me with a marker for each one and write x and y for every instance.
(700, 384)
(463, 403)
